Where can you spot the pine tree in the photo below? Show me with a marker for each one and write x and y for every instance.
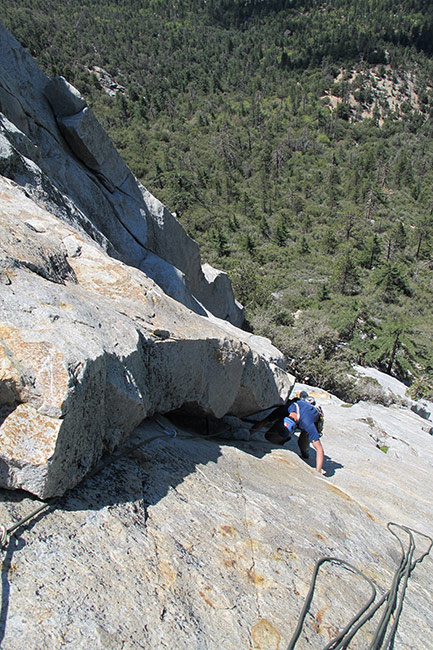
(394, 347)
(346, 276)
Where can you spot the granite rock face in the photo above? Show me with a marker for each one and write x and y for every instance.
(106, 316)
(182, 540)
(64, 99)
(397, 391)
(199, 544)
(89, 347)
(52, 144)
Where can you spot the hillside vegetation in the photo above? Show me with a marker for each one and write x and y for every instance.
(293, 140)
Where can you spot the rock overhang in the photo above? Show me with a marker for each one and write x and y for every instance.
(88, 354)
(92, 339)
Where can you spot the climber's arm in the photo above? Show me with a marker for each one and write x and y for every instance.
(320, 455)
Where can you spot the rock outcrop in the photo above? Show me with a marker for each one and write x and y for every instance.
(52, 144)
(395, 390)
(106, 314)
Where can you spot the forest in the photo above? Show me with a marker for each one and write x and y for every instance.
(293, 141)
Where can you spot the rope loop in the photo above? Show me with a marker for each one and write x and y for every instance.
(172, 433)
(393, 597)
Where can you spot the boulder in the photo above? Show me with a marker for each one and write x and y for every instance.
(216, 291)
(89, 347)
(93, 147)
(424, 409)
(64, 98)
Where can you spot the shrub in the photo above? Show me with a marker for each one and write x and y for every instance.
(368, 389)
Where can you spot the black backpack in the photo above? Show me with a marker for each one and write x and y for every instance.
(321, 421)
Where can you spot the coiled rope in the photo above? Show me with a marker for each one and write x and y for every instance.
(309, 597)
(391, 597)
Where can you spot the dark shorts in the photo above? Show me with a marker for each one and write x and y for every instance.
(278, 427)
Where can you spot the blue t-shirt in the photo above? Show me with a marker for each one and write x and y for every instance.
(308, 416)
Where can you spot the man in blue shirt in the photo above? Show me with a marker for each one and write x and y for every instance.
(299, 414)
(305, 417)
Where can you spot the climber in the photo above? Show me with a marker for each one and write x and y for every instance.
(302, 414)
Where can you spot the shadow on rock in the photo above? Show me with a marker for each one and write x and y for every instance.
(162, 452)
(14, 543)
(153, 461)
(330, 466)
(261, 448)
(6, 410)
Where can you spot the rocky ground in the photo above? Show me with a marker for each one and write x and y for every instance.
(208, 544)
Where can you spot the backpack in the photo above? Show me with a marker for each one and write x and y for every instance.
(321, 421)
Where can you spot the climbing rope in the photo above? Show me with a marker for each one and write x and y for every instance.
(5, 533)
(404, 570)
(310, 595)
(401, 577)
